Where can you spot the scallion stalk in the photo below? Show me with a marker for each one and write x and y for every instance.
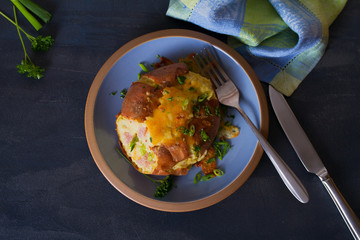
(35, 23)
(44, 15)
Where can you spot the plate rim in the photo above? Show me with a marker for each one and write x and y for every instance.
(122, 187)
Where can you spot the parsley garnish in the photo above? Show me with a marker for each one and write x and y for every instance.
(164, 187)
(171, 99)
(207, 111)
(227, 123)
(184, 130)
(217, 111)
(30, 69)
(38, 43)
(41, 43)
(192, 89)
(113, 93)
(197, 148)
(203, 135)
(196, 108)
(211, 160)
(123, 93)
(221, 148)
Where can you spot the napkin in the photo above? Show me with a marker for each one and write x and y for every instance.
(282, 40)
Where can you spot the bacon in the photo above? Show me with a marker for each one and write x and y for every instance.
(143, 162)
(128, 137)
(166, 76)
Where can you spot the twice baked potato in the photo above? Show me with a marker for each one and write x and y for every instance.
(168, 120)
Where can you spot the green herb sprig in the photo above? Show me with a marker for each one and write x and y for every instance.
(38, 43)
(221, 148)
(203, 135)
(27, 66)
(123, 93)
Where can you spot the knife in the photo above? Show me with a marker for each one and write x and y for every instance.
(310, 159)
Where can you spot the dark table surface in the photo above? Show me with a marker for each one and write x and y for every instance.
(50, 187)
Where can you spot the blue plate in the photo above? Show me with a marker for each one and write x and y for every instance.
(121, 70)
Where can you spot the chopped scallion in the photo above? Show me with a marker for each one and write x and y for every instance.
(185, 103)
(197, 177)
(207, 177)
(192, 130)
(181, 79)
(218, 172)
(133, 142)
(202, 97)
(143, 67)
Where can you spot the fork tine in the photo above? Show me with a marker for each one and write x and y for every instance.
(200, 61)
(219, 78)
(221, 70)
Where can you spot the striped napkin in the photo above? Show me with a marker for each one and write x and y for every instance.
(282, 40)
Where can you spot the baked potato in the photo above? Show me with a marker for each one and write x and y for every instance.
(168, 120)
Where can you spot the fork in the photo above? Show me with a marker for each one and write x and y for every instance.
(228, 95)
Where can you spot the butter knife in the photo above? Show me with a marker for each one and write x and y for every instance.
(310, 159)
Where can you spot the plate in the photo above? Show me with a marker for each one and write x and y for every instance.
(121, 69)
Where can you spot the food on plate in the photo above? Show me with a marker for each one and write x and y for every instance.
(169, 119)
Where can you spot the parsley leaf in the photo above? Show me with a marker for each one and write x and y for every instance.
(221, 148)
(164, 187)
(123, 93)
(30, 69)
(41, 43)
(203, 135)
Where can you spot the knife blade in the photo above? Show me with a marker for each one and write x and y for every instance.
(310, 159)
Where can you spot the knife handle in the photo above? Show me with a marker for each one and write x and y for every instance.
(345, 210)
(291, 181)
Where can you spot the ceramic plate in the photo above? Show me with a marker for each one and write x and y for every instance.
(121, 69)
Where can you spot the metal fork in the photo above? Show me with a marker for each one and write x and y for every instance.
(228, 95)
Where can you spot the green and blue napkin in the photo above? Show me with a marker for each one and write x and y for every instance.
(282, 40)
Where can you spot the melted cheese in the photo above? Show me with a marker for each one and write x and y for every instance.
(176, 107)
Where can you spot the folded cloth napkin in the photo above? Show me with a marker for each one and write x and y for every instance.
(281, 39)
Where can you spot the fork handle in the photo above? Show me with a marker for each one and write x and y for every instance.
(291, 181)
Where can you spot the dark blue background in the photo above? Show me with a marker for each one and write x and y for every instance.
(50, 187)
